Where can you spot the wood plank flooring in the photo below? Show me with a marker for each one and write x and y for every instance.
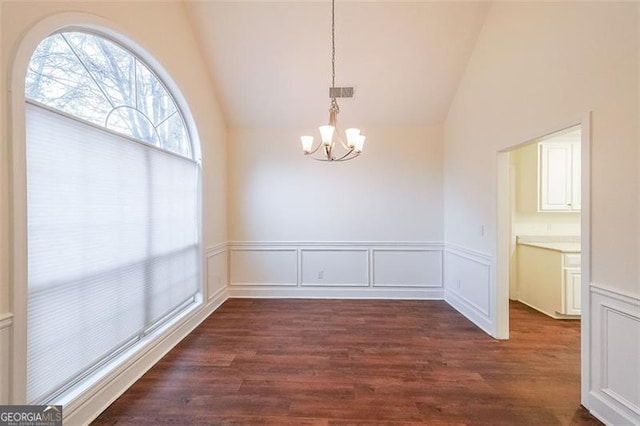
(350, 362)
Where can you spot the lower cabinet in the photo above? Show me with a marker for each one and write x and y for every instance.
(571, 291)
(549, 280)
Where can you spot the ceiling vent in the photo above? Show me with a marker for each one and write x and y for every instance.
(341, 92)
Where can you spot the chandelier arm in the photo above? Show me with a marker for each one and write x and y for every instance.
(344, 145)
(349, 155)
(315, 150)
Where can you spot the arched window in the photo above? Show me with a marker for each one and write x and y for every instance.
(97, 80)
(112, 210)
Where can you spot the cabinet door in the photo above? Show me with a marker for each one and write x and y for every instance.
(554, 176)
(572, 292)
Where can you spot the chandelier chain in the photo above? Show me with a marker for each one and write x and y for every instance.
(333, 43)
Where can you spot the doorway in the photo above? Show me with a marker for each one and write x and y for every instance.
(520, 214)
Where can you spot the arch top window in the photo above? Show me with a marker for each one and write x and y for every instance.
(97, 80)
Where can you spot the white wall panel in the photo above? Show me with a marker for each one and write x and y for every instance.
(400, 270)
(216, 271)
(468, 284)
(335, 267)
(6, 325)
(407, 268)
(264, 266)
(616, 356)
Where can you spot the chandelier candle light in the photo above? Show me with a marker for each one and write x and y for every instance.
(330, 133)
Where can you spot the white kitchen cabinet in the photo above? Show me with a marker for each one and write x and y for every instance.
(571, 291)
(559, 172)
(549, 278)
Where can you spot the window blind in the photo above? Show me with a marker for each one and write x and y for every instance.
(113, 245)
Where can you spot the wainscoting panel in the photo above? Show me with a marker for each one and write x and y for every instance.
(216, 270)
(401, 270)
(335, 267)
(615, 328)
(468, 284)
(6, 327)
(407, 268)
(263, 266)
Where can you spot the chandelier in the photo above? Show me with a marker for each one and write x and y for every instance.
(330, 135)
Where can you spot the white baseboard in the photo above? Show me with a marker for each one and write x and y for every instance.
(608, 413)
(469, 311)
(263, 292)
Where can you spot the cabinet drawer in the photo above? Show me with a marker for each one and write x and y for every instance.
(571, 260)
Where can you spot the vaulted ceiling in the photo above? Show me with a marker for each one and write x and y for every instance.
(271, 61)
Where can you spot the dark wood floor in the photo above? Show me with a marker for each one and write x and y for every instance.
(338, 362)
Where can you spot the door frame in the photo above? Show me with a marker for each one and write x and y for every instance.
(503, 243)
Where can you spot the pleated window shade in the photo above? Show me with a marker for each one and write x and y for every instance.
(113, 246)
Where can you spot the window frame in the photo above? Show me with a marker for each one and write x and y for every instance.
(85, 22)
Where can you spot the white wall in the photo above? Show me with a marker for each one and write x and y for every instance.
(536, 66)
(164, 31)
(302, 228)
(392, 192)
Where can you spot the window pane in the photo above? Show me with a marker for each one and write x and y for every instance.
(131, 122)
(153, 99)
(58, 79)
(173, 136)
(110, 65)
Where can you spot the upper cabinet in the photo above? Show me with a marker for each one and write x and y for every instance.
(559, 176)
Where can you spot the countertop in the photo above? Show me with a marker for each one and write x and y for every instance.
(561, 247)
(563, 244)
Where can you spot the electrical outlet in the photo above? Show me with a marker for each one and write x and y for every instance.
(320, 275)
(482, 230)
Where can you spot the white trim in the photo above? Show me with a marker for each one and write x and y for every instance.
(342, 248)
(215, 249)
(366, 289)
(433, 249)
(309, 292)
(585, 259)
(609, 413)
(605, 402)
(477, 314)
(6, 320)
(505, 193)
(334, 244)
(477, 256)
(615, 294)
(469, 310)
